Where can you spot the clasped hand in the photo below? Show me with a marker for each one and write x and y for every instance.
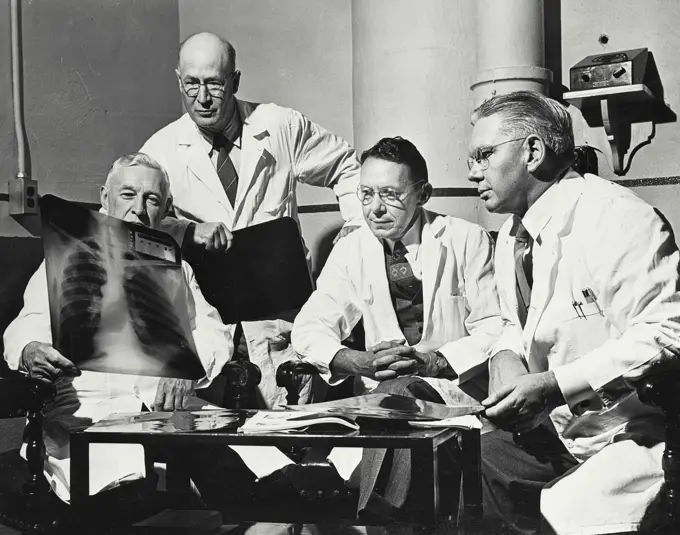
(390, 359)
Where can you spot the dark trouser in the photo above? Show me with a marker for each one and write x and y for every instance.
(515, 468)
(392, 479)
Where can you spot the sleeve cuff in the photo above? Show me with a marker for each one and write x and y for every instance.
(575, 389)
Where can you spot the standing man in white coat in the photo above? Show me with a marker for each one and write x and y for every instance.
(587, 276)
(423, 285)
(234, 163)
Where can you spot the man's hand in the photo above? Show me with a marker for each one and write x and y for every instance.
(412, 362)
(344, 231)
(212, 236)
(369, 364)
(504, 368)
(43, 362)
(173, 394)
(526, 402)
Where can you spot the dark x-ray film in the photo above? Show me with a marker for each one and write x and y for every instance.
(117, 292)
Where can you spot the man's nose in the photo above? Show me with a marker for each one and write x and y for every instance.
(140, 206)
(475, 174)
(203, 96)
(377, 204)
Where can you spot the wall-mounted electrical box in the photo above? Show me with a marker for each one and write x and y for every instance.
(627, 67)
(23, 196)
(617, 89)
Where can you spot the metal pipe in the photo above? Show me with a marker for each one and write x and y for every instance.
(510, 48)
(17, 89)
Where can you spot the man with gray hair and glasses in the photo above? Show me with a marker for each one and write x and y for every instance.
(233, 164)
(587, 276)
(137, 191)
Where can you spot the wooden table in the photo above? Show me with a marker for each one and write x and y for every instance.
(424, 444)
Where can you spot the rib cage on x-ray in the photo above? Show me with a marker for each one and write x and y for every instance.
(81, 290)
(119, 302)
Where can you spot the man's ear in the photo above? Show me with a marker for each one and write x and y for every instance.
(179, 81)
(237, 81)
(104, 199)
(537, 152)
(425, 193)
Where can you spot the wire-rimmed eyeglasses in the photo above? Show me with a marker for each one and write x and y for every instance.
(216, 89)
(389, 196)
(481, 156)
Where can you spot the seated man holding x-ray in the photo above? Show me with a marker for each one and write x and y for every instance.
(137, 191)
(423, 284)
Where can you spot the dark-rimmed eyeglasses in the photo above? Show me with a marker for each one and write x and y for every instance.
(389, 196)
(481, 156)
(215, 89)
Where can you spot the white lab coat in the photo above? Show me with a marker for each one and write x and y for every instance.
(592, 234)
(280, 147)
(83, 400)
(461, 316)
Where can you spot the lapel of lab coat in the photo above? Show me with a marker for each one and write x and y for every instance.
(432, 258)
(254, 157)
(549, 240)
(374, 274)
(191, 151)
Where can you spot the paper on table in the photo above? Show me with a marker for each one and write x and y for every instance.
(459, 422)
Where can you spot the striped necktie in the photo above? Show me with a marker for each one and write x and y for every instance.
(225, 167)
(523, 270)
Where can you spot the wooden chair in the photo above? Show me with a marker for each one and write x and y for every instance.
(663, 515)
(30, 509)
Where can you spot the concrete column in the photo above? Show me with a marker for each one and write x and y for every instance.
(413, 64)
(510, 48)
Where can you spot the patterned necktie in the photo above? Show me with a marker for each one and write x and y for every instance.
(225, 167)
(400, 269)
(523, 270)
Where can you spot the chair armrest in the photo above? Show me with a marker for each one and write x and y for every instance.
(289, 376)
(20, 395)
(242, 377)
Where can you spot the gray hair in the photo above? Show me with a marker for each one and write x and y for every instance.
(526, 113)
(228, 48)
(135, 159)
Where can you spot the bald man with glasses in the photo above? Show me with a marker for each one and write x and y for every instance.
(233, 164)
(421, 282)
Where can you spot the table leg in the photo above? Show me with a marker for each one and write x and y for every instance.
(472, 476)
(80, 473)
(425, 484)
(178, 479)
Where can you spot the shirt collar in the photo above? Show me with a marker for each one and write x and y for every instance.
(232, 131)
(554, 203)
(413, 236)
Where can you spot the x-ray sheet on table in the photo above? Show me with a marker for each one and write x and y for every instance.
(117, 292)
(389, 406)
(170, 422)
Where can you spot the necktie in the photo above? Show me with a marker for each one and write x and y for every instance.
(225, 167)
(523, 270)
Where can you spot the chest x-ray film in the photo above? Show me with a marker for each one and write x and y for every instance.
(119, 302)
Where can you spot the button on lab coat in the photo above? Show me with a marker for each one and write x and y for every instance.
(280, 147)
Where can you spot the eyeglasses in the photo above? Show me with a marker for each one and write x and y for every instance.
(481, 156)
(215, 89)
(389, 196)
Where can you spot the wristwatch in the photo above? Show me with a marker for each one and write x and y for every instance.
(440, 363)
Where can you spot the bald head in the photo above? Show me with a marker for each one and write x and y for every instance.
(207, 46)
